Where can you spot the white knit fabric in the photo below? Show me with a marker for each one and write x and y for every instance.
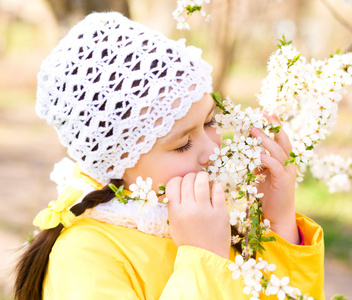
(154, 221)
(111, 87)
(150, 219)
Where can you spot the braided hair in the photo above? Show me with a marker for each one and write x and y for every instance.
(32, 266)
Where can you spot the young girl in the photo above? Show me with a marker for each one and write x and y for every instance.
(128, 102)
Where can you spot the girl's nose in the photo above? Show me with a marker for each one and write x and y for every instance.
(209, 143)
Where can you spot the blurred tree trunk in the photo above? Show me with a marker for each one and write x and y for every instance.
(225, 39)
(68, 12)
(236, 24)
(234, 21)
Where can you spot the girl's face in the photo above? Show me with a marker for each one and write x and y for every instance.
(186, 148)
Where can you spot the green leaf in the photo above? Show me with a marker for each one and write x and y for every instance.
(338, 51)
(218, 100)
(319, 72)
(261, 247)
(291, 160)
(265, 282)
(254, 220)
(283, 42)
(122, 200)
(293, 60)
(253, 241)
(120, 190)
(296, 58)
(241, 193)
(268, 239)
(339, 297)
(191, 9)
(249, 173)
(113, 187)
(276, 129)
(217, 97)
(292, 154)
(311, 147)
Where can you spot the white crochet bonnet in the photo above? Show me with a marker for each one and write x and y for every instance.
(111, 87)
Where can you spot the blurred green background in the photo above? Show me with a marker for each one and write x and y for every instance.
(237, 42)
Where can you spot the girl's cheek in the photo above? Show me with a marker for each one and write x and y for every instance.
(180, 168)
(217, 138)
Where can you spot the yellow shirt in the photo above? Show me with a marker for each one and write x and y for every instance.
(92, 260)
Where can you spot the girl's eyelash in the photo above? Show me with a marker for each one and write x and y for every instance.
(185, 147)
(189, 142)
(210, 123)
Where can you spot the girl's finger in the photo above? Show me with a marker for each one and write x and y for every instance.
(218, 196)
(281, 137)
(201, 188)
(173, 191)
(187, 187)
(276, 168)
(272, 146)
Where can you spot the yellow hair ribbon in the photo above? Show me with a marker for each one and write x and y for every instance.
(57, 211)
(127, 192)
(77, 173)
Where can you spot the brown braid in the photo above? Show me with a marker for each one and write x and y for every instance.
(31, 268)
(96, 197)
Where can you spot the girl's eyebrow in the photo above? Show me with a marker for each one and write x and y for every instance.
(180, 134)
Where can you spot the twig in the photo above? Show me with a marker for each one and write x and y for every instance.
(337, 16)
(247, 218)
(247, 229)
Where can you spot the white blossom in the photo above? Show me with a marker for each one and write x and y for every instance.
(305, 97)
(181, 10)
(279, 287)
(143, 190)
(334, 170)
(236, 217)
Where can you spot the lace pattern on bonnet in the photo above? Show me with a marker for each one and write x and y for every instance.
(111, 87)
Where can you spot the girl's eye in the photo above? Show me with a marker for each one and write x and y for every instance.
(184, 147)
(210, 123)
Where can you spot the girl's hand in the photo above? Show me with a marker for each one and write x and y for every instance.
(278, 202)
(196, 219)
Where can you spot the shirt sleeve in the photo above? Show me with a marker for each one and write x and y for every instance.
(200, 274)
(303, 264)
(88, 269)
